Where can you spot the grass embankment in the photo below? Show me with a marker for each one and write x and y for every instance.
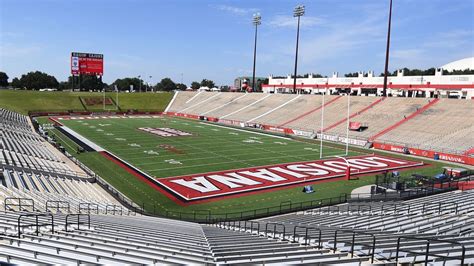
(24, 101)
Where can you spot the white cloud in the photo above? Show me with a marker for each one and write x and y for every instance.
(236, 10)
(283, 21)
(10, 50)
(406, 54)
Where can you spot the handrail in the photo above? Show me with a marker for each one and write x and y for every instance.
(428, 243)
(251, 226)
(37, 224)
(306, 238)
(114, 208)
(274, 229)
(440, 204)
(58, 205)
(19, 204)
(95, 207)
(78, 215)
(354, 233)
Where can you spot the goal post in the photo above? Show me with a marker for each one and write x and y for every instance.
(327, 137)
(104, 97)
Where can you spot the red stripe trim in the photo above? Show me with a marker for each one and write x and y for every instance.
(390, 86)
(419, 111)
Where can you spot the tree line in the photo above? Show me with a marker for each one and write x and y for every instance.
(39, 80)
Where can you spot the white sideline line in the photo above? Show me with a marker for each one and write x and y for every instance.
(247, 106)
(192, 98)
(83, 139)
(274, 109)
(248, 131)
(245, 94)
(201, 102)
(172, 101)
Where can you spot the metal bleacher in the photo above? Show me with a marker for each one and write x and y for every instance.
(32, 171)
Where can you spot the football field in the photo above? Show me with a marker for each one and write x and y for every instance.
(197, 148)
(166, 147)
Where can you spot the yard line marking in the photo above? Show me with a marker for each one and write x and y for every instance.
(243, 130)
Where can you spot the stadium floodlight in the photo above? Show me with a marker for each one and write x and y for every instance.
(297, 12)
(387, 51)
(140, 80)
(257, 20)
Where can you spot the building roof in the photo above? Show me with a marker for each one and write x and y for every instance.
(461, 64)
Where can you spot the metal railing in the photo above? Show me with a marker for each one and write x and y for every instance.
(36, 223)
(78, 215)
(427, 253)
(57, 205)
(21, 203)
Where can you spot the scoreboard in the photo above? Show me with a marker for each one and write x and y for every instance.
(87, 63)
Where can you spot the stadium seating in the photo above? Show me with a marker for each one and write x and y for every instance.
(449, 126)
(444, 126)
(344, 234)
(448, 223)
(31, 169)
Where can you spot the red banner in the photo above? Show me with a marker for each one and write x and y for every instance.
(219, 184)
(426, 153)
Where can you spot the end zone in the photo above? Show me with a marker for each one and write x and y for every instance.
(215, 185)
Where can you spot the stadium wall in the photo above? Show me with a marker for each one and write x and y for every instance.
(426, 153)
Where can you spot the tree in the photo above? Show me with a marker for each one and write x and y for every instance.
(124, 84)
(16, 83)
(3, 79)
(225, 88)
(166, 84)
(181, 86)
(265, 81)
(91, 82)
(195, 85)
(63, 85)
(351, 75)
(38, 80)
(207, 83)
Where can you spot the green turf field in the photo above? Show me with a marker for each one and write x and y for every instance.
(211, 148)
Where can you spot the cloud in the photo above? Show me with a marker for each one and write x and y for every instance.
(406, 54)
(10, 50)
(236, 10)
(283, 21)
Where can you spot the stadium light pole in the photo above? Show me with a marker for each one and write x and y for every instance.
(297, 12)
(149, 84)
(257, 20)
(384, 91)
(139, 80)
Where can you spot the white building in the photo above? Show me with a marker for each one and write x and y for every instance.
(438, 85)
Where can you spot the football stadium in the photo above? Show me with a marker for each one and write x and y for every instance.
(356, 169)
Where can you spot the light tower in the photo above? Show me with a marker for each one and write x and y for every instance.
(257, 20)
(297, 12)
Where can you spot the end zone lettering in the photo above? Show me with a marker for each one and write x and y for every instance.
(217, 184)
(165, 132)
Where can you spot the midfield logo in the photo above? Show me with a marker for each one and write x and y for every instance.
(218, 184)
(165, 131)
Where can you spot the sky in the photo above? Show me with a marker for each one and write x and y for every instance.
(189, 40)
